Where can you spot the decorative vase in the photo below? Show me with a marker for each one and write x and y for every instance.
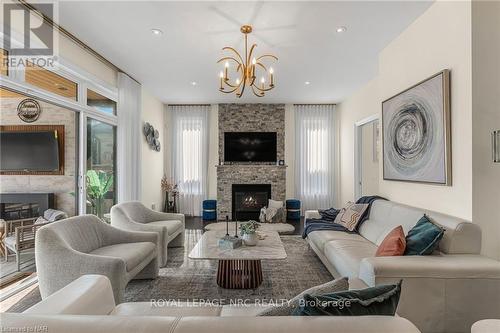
(250, 239)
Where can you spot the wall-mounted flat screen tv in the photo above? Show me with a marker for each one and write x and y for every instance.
(250, 146)
(29, 151)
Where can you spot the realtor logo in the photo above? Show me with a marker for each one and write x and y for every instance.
(29, 35)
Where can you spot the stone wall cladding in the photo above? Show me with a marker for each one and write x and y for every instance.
(250, 118)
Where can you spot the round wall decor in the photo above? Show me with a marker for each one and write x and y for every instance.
(152, 136)
(28, 110)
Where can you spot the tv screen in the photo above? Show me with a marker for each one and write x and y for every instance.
(250, 146)
(29, 151)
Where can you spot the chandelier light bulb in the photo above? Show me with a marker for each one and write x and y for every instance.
(237, 81)
(271, 70)
(262, 80)
(221, 74)
(254, 61)
(226, 64)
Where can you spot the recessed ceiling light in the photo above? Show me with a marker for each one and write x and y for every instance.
(194, 83)
(341, 29)
(156, 32)
(307, 83)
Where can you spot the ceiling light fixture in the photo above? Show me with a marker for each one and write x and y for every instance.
(246, 69)
(156, 32)
(194, 83)
(307, 83)
(341, 29)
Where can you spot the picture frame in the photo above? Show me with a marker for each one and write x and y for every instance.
(416, 133)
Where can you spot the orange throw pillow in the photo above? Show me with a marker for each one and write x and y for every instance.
(394, 244)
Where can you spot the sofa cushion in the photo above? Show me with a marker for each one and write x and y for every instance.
(346, 255)
(287, 308)
(173, 309)
(131, 253)
(350, 215)
(394, 244)
(172, 226)
(380, 301)
(423, 238)
(320, 238)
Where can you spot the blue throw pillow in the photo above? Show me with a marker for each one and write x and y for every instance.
(423, 238)
(375, 301)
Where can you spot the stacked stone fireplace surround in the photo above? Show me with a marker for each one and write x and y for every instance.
(250, 118)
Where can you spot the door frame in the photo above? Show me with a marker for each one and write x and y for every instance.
(358, 150)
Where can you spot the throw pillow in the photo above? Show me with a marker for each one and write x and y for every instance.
(350, 215)
(286, 309)
(375, 301)
(394, 244)
(274, 204)
(423, 238)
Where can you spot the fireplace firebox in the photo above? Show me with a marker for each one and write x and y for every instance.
(248, 199)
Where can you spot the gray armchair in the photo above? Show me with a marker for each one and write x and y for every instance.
(68, 249)
(135, 216)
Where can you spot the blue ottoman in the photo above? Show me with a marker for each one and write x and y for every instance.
(293, 209)
(209, 210)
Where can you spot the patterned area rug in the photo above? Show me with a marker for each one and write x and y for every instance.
(184, 279)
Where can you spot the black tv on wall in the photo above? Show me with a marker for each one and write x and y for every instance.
(250, 147)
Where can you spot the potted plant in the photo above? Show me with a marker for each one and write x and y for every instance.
(98, 185)
(248, 232)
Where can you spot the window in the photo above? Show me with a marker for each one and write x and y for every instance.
(100, 102)
(315, 155)
(52, 82)
(100, 174)
(189, 155)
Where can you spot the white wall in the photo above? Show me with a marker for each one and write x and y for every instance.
(485, 119)
(290, 150)
(362, 104)
(152, 161)
(439, 39)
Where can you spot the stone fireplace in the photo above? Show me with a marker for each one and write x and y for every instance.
(250, 118)
(248, 199)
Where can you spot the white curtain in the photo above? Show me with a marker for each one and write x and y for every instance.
(315, 156)
(128, 153)
(190, 155)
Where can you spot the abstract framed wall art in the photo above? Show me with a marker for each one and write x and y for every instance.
(416, 135)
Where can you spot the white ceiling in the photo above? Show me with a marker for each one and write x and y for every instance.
(301, 34)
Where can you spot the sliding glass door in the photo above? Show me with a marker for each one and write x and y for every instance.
(100, 175)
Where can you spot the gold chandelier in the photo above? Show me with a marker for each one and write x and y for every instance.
(246, 69)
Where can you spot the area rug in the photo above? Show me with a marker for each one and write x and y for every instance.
(192, 280)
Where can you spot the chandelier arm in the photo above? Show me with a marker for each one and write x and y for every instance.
(228, 58)
(267, 56)
(263, 90)
(242, 89)
(236, 52)
(258, 95)
(261, 65)
(250, 54)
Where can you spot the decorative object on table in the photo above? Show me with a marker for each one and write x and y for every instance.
(416, 132)
(229, 242)
(249, 232)
(273, 213)
(209, 210)
(152, 136)
(293, 209)
(246, 70)
(495, 142)
(171, 191)
(28, 110)
(99, 183)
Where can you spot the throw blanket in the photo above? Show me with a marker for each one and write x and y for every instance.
(326, 222)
